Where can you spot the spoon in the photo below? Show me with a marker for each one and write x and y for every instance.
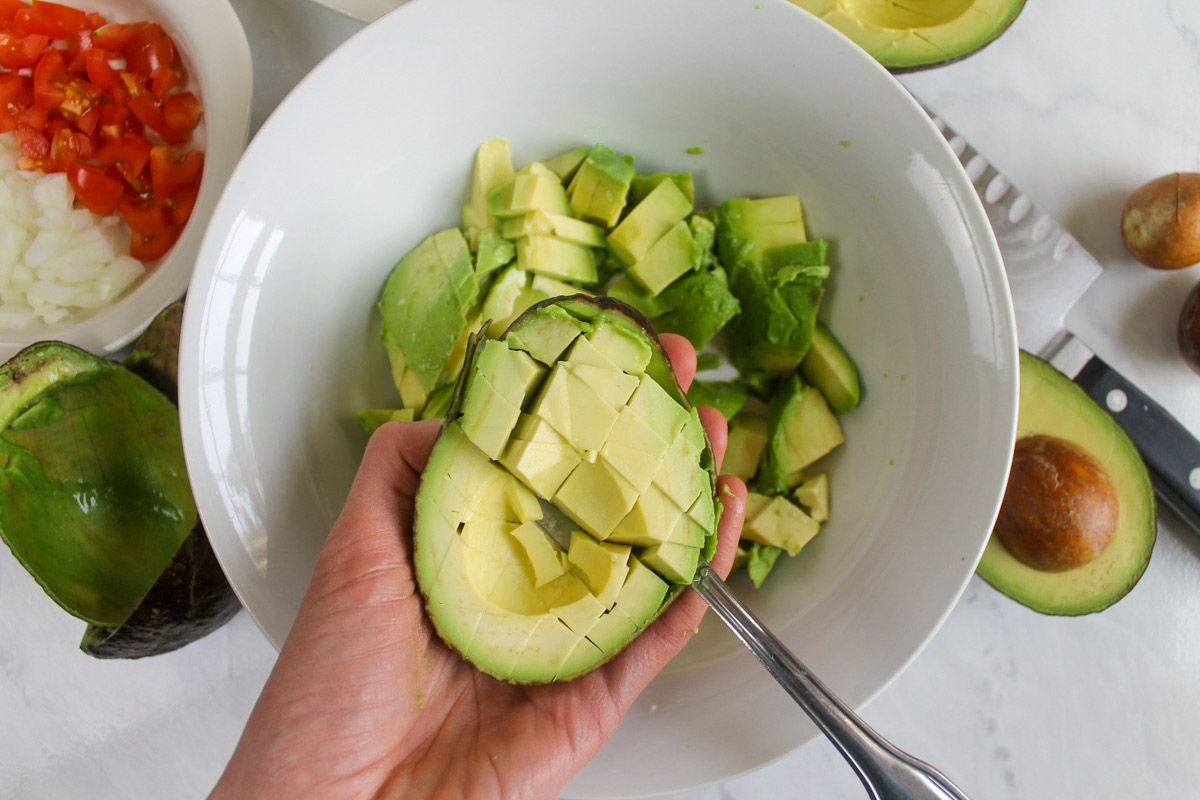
(887, 772)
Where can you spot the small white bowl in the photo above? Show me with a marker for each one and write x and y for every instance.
(217, 55)
(280, 347)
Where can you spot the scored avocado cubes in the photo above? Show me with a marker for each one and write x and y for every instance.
(600, 187)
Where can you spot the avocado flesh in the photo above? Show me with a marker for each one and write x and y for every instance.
(909, 36)
(531, 597)
(1053, 405)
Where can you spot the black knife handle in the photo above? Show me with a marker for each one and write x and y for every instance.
(1170, 451)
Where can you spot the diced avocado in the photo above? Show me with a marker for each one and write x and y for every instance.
(704, 237)
(596, 497)
(539, 456)
(425, 304)
(749, 228)
(545, 556)
(760, 560)
(512, 373)
(493, 167)
(374, 418)
(547, 336)
(556, 258)
(569, 229)
(492, 252)
(600, 187)
(497, 588)
(534, 187)
(660, 211)
(545, 288)
(604, 566)
(437, 402)
(813, 494)
(650, 521)
(745, 445)
(675, 562)
(696, 306)
(501, 304)
(728, 397)
(667, 259)
(634, 449)
(644, 184)
(565, 164)
(761, 383)
(487, 417)
(781, 524)
(708, 360)
(625, 349)
(627, 290)
(829, 367)
(801, 429)
(412, 392)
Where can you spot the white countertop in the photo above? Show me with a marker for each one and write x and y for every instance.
(1079, 103)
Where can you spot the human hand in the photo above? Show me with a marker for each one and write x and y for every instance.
(365, 701)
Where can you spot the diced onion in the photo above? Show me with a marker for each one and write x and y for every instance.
(57, 259)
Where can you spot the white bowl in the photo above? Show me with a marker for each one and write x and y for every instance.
(214, 48)
(281, 344)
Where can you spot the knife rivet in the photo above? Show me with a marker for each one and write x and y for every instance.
(1194, 478)
(1116, 401)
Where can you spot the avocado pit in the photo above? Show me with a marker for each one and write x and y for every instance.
(1060, 509)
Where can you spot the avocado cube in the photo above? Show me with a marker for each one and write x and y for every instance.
(642, 595)
(548, 337)
(813, 494)
(745, 445)
(687, 532)
(704, 236)
(568, 229)
(565, 164)
(604, 566)
(675, 562)
(652, 403)
(634, 449)
(612, 630)
(532, 188)
(801, 429)
(680, 475)
(583, 351)
(374, 418)
(704, 512)
(574, 604)
(512, 373)
(698, 306)
(493, 167)
(666, 260)
(492, 252)
(596, 497)
(582, 658)
(829, 367)
(644, 184)
(693, 432)
(728, 397)
(600, 187)
(648, 221)
(782, 524)
(612, 385)
(488, 418)
(542, 463)
(575, 410)
(628, 350)
(651, 520)
(558, 259)
(550, 642)
(627, 290)
(501, 303)
(749, 228)
(544, 555)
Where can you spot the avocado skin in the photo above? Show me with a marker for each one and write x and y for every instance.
(1052, 404)
(192, 597)
(1019, 5)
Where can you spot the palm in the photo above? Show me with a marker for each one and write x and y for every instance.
(366, 701)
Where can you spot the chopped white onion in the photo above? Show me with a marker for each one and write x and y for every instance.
(55, 259)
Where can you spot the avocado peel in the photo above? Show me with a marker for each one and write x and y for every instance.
(1051, 405)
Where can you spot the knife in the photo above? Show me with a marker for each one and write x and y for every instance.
(1048, 271)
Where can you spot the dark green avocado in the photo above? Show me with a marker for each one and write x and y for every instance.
(906, 37)
(94, 495)
(1051, 405)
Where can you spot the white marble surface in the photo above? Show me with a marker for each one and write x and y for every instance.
(1080, 102)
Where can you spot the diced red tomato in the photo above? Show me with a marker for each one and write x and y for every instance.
(148, 108)
(143, 34)
(48, 79)
(182, 204)
(181, 111)
(162, 80)
(33, 142)
(9, 9)
(69, 19)
(172, 171)
(35, 21)
(98, 191)
(113, 36)
(129, 156)
(150, 247)
(156, 53)
(21, 52)
(34, 117)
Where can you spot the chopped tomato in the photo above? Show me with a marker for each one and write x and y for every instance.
(162, 80)
(156, 53)
(14, 91)
(181, 111)
(67, 18)
(98, 191)
(34, 21)
(147, 216)
(101, 73)
(147, 108)
(48, 81)
(21, 52)
(143, 34)
(129, 155)
(150, 247)
(171, 171)
(9, 9)
(34, 117)
(33, 142)
(182, 204)
(79, 44)
(113, 36)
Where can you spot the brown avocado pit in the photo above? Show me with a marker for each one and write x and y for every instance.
(1060, 509)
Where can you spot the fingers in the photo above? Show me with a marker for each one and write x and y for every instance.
(682, 356)
(629, 673)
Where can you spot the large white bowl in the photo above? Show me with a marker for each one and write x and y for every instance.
(217, 55)
(372, 152)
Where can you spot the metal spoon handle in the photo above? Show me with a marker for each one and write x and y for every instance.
(887, 772)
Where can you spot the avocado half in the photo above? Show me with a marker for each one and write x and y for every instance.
(918, 34)
(94, 495)
(570, 495)
(1053, 405)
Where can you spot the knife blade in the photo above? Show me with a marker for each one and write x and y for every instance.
(1048, 271)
